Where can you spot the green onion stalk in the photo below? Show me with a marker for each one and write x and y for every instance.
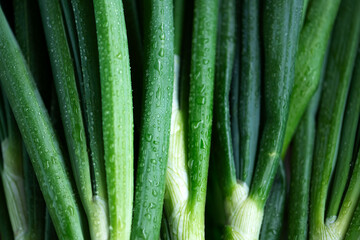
(58, 28)
(189, 150)
(332, 205)
(22, 192)
(40, 140)
(245, 199)
(300, 168)
(317, 22)
(117, 119)
(30, 36)
(156, 119)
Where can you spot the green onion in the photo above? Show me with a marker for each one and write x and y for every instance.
(200, 110)
(249, 88)
(336, 85)
(346, 144)
(188, 163)
(224, 68)
(272, 224)
(40, 140)
(313, 41)
(117, 115)
(156, 116)
(300, 170)
(174, 119)
(70, 109)
(245, 209)
(28, 31)
(92, 112)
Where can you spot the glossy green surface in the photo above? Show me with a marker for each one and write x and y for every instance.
(300, 170)
(12, 172)
(281, 30)
(201, 101)
(313, 42)
(336, 85)
(96, 206)
(156, 118)
(91, 92)
(29, 34)
(347, 142)
(222, 142)
(117, 115)
(40, 140)
(68, 97)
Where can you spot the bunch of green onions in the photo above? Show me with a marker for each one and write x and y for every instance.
(174, 119)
